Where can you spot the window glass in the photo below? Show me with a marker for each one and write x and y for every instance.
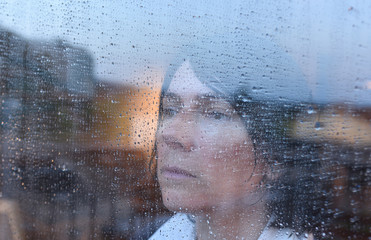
(185, 119)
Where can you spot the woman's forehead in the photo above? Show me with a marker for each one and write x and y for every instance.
(185, 82)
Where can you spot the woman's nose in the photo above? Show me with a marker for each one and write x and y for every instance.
(180, 133)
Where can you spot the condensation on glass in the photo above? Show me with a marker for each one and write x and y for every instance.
(202, 119)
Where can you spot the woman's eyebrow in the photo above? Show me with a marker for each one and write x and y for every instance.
(206, 99)
(211, 98)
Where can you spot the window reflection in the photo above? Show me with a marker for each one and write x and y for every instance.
(77, 147)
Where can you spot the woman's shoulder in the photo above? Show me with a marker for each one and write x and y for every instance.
(177, 227)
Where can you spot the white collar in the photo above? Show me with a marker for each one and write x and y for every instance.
(180, 226)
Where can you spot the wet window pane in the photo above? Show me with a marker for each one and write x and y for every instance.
(185, 120)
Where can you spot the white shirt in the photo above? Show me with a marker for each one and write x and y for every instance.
(181, 227)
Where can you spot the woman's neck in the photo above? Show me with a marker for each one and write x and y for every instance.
(234, 222)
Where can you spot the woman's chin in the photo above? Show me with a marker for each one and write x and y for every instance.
(179, 201)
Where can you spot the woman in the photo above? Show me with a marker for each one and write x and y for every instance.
(225, 163)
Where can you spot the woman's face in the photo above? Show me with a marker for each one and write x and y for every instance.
(205, 157)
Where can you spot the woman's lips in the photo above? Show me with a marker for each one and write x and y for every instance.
(176, 173)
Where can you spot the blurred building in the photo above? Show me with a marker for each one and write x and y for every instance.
(46, 93)
(47, 88)
(75, 152)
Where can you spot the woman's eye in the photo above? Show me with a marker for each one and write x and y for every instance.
(169, 112)
(216, 114)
